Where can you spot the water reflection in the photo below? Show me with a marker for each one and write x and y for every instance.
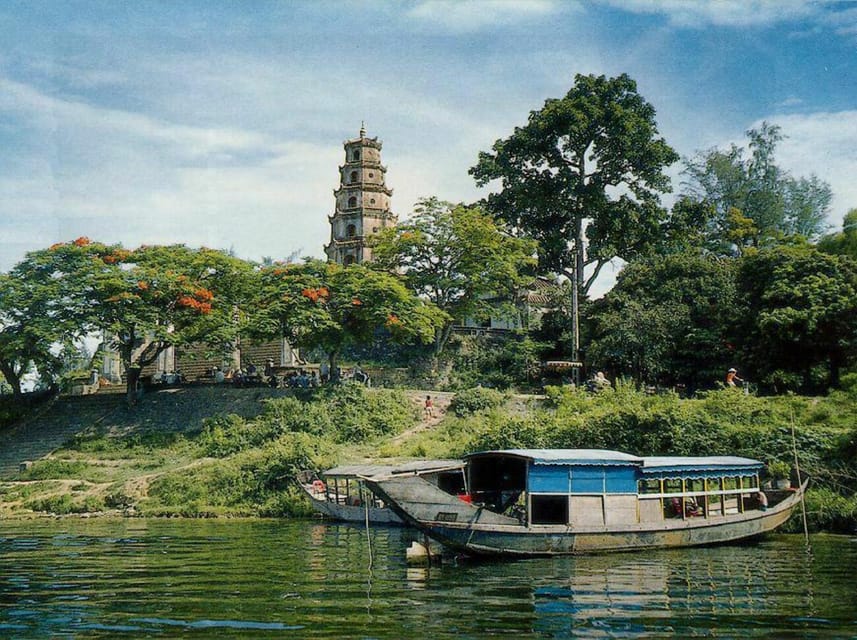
(234, 579)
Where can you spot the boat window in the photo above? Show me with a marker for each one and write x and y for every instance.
(672, 485)
(649, 486)
(673, 505)
(451, 482)
(497, 481)
(549, 509)
(730, 483)
(714, 499)
(749, 482)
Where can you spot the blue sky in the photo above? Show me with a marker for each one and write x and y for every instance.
(221, 123)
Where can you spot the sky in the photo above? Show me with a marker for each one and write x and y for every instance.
(221, 124)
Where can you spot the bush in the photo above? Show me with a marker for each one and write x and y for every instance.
(64, 504)
(475, 400)
(54, 469)
(223, 436)
(827, 510)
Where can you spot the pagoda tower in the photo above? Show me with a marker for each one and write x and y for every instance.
(362, 202)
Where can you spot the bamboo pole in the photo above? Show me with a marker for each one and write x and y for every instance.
(800, 484)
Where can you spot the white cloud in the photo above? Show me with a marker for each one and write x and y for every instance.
(732, 13)
(54, 112)
(462, 16)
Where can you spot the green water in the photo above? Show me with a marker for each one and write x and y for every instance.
(272, 579)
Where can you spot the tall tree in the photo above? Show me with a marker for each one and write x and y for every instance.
(459, 258)
(586, 167)
(796, 321)
(327, 306)
(755, 200)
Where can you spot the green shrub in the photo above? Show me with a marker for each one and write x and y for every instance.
(54, 469)
(827, 510)
(475, 400)
(348, 413)
(223, 436)
(251, 482)
(64, 504)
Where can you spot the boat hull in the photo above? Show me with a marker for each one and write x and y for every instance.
(353, 513)
(470, 529)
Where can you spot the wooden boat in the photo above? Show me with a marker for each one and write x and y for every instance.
(535, 502)
(340, 493)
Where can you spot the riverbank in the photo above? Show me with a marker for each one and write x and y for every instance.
(222, 452)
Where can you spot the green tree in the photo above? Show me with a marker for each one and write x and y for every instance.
(39, 314)
(319, 305)
(755, 200)
(144, 300)
(797, 315)
(843, 242)
(588, 164)
(665, 320)
(459, 258)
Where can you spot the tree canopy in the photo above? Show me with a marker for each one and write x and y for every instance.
(143, 301)
(37, 316)
(591, 162)
(326, 306)
(796, 325)
(665, 320)
(755, 201)
(459, 258)
(842, 242)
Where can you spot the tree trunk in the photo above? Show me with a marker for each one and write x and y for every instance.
(441, 337)
(13, 379)
(333, 360)
(132, 373)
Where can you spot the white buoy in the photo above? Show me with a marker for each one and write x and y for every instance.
(419, 554)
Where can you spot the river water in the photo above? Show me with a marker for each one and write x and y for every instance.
(285, 579)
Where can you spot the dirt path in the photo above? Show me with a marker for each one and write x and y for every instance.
(440, 399)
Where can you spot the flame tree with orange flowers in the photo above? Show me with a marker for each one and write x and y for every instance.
(319, 305)
(143, 300)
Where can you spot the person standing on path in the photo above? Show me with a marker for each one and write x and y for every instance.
(428, 411)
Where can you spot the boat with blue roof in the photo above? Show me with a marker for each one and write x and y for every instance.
(537, 502)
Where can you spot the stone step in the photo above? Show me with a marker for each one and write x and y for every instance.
(49, 428)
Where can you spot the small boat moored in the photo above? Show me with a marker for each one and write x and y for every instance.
(534, 502)
(341, 493)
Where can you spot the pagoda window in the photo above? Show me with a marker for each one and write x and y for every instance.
(351, 231)
(356, 154)
(353, 176)
(352, 202)
(349, 260)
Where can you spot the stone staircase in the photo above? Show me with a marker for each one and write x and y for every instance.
(51, 426)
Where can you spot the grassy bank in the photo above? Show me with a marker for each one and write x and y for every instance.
(231, 465)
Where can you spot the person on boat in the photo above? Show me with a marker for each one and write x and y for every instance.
(763, 501)
(691, 508)
(429, 408)
(732, 377)
(218, 375)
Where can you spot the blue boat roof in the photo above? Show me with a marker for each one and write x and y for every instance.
(648, 464)
(568, 456)
(660, 464)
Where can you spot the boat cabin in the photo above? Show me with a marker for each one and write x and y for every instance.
(344, 485)
(593, 487)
